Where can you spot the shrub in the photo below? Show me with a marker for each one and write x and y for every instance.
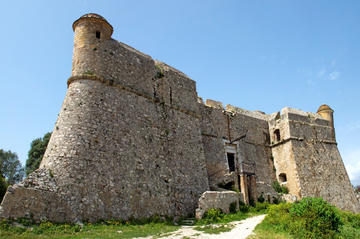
(314, 218)
(159, 72)
(213, 215)
(261, 206)
(261, 198)
(279, 217)
(275, 200)
(243, 207)
(280, 189)
(232, 207)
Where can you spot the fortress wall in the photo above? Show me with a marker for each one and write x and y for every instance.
(121, 146)
(214, 130)
(310, 158)
(117, 155)
(322, 174)
(254, 148)
(111, 60)
(284, 163)
(174, 88)
(282, 153)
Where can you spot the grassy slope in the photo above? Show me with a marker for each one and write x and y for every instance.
(119, 229)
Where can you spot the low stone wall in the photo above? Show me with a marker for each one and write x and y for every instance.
(219, 200)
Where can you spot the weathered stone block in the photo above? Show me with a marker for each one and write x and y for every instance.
(217, 200)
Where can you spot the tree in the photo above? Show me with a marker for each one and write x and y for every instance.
(10, 167)
(36, 153)
(3, 187)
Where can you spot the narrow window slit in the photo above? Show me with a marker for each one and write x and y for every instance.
(231, 162)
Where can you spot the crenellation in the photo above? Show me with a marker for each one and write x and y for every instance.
(133, 140)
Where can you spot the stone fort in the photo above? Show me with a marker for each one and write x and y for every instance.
(134, 140)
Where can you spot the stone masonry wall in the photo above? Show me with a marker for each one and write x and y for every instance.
(219, 125)
(122, 146)
(309, 156)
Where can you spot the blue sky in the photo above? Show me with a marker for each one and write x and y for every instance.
(257, 55)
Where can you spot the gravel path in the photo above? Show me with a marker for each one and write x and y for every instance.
(241, 230)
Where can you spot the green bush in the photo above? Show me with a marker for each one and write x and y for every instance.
(314, 218)
(278, 215)
(280, 189)
(232, 207)
(276, 200)
(243, 207)
(213, 215)
(261, 198)
(261, 206)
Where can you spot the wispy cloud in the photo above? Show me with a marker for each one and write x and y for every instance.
(334, 75)
(352, 164)
(326, 72)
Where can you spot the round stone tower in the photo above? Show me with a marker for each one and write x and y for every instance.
(327, 113)
(90, 30)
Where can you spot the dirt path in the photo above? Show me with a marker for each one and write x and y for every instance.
(241, 230)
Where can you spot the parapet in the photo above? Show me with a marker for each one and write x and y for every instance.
(93, 17)
(214, 104)
(254, 114)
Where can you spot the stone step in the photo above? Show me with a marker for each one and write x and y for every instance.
(188, 222)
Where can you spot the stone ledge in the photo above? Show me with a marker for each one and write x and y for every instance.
(301, 139)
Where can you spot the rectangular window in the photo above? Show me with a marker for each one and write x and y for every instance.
(98, 35)
(231, 161)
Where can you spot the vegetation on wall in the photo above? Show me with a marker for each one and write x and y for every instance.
(280, 188)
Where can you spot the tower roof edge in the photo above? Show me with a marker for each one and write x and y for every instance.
(92, 17)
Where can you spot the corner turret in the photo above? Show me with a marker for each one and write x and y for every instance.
(90, 30)
(327, 113)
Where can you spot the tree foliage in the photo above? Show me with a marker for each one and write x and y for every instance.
(3, 187)
(10, 167)
(36, 153)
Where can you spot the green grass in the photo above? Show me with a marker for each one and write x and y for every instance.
(122, 229)
(90, 231)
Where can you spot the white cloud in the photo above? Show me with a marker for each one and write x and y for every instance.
(334, 75)
(352, 164)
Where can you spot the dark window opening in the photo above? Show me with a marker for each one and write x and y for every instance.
(98, 35)
(277, 134)
(282, 177)
(231, 162)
